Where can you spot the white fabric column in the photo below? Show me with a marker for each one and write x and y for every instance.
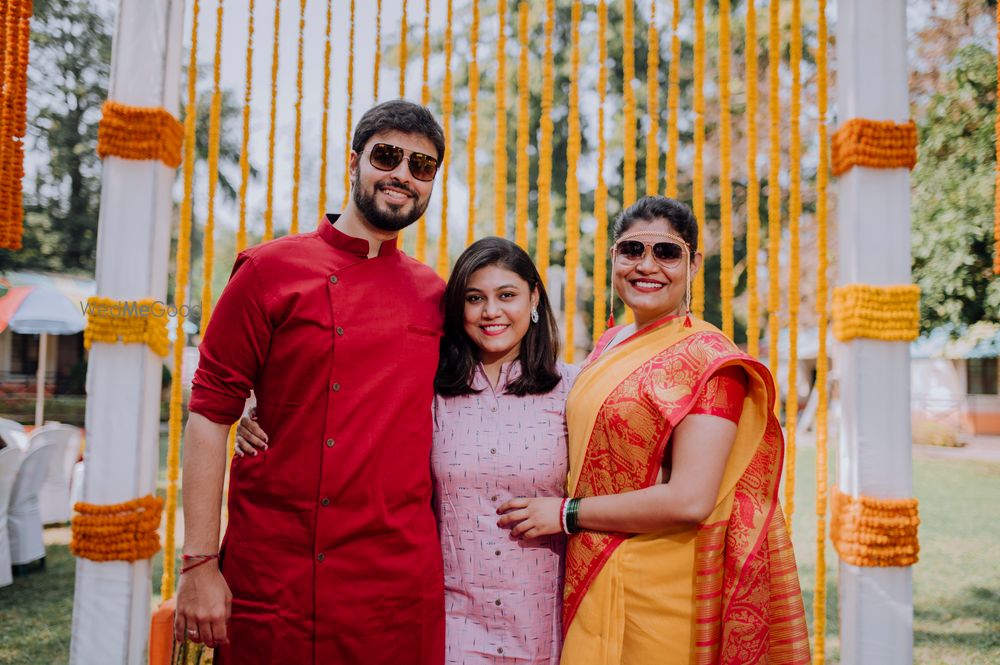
(876, 605)
(111, 606)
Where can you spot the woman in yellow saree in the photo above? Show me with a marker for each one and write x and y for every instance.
(678, 550)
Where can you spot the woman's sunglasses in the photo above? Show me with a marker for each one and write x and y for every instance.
(386, 157)
(667, 254)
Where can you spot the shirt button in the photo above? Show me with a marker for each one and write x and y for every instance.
(493, 451)
(493, 409)
(493, 498)
(325, 501)
(498, 554)
(329, 443)
(496, 601)
(333, 279)
(499, 649)
(320, 557)
(340, 330)
(336, 387)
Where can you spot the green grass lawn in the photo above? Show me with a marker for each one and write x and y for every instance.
(956, 585)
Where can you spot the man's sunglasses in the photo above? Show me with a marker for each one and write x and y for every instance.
(386, 157)
(666, 253)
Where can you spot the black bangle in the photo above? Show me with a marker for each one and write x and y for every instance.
(572, 515)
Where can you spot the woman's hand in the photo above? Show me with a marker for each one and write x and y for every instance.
(531, 518)
(249, 436)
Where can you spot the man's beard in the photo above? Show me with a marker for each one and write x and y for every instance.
(393, 219)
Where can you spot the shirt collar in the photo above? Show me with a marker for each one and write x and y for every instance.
(509, 372)
(350, 244)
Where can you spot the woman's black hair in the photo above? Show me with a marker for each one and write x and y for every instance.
(651, 208)
(460, 356)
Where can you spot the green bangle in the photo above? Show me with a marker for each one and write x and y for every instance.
(572, 515)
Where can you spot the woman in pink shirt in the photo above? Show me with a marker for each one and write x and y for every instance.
(499, 433)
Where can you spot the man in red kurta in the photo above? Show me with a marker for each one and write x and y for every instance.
(331, 553)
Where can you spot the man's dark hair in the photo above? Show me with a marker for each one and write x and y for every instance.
(460, 356)
(401, 116)
(652, 208)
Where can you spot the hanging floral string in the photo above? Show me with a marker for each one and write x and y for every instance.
(523, 117)
(774, 194)
(447, 107)
(725, 170)
(653, 105)
(572, 259)
(753, 184)
(269, 207)
(500, 139)
(378, 48)
(325, 131)
(698, 186)
(181, 269)
(241, 231)
(545, 150)
(628, 101)
(15, 30)
(470, 143)
(601, 189)
(822, 315)
(296, 166)
(673, 101)
(425, 99)
(404, 27)
(214, 120)
(794, 212)
(350, 110)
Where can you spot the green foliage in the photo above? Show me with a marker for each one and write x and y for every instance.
(953, 193)
(67, 83)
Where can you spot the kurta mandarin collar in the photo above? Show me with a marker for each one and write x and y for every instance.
(509, 372)
(356, 246)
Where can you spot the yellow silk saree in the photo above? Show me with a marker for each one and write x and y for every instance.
(726, 591)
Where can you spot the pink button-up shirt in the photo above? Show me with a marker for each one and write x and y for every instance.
(503, 597)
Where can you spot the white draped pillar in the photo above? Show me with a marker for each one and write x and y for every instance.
(111, 605)
(876, 606)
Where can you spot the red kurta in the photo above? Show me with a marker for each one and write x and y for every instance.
(332, 551)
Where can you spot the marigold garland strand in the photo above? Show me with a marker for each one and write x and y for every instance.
(296, 165)
(794, 213)
(214, 120)
(349, 123)
(601, 189)
(628, 101)
(872, 532)
(523, 117)
(15, 32)
(572, 258)
(822, 314)
(111, 321)
(325, 121)
(753, 184)
(774, 194)
(241, 231)
(870, 311)
(725, 178)
(182, 267)
(698, 186)
(447, 108)
(404, 27)
(877, 144)
(653, 105)
(425, 99)
(673, 101)
(470, 143)
(139, 133)
(378, 48)
(117, 532)
(273, 127)
(996, 185)
(500, 138)
(545, 150)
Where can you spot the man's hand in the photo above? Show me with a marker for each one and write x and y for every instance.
(531, 518)
(204, 604)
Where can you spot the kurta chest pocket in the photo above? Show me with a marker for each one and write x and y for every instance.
(424, 331)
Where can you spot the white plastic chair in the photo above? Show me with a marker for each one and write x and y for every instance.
(24, 521)
(12, 433)
(53, 496)
(10, 461)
